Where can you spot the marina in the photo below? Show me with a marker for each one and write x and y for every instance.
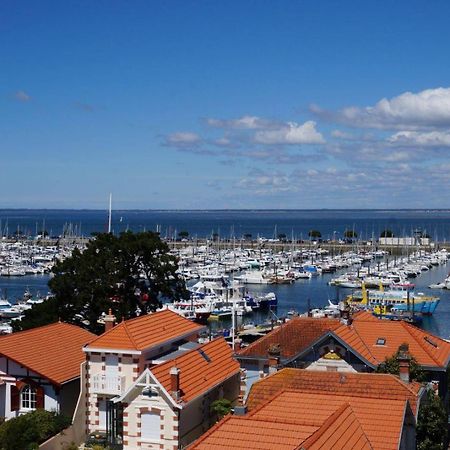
(213, 278)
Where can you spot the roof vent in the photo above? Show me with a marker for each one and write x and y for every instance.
(205, 356)
(431, 342)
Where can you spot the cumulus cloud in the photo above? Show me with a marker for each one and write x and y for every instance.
(426, 109)
(291, 133)
(242, 123)
(422, 139)
(183, 139)
(22, 96)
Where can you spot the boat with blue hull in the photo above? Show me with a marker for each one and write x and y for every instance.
(396, 299)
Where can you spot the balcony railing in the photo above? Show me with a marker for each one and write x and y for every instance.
(108, 384)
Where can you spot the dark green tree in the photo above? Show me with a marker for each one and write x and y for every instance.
(350, 234)
(26, 432)
(314, 234)
(183, 234)
(221, 407)
(387, 233)
(129, 274)
(391, 365)
(431, 423)
(282, 237)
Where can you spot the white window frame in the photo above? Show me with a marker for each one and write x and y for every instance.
(28, 400)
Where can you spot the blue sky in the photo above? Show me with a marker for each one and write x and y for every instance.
(246, 104)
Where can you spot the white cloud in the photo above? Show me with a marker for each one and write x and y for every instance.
(291, 133)
(183, 139)
(242, 123)
(22, 96)
(424, 139)
(426, 109)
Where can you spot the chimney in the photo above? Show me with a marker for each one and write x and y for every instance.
(110, 320)
(404, 360)
(274, 353)
(175, 383)
(237, 344)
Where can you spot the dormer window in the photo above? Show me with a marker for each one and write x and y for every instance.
(381, 341)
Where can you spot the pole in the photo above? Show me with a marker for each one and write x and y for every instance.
(109, 215)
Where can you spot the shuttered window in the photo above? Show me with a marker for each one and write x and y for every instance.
(28, 397)
(150, 426)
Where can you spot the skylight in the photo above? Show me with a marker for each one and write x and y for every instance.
(431, 342)
(381, 341)
(207, 358)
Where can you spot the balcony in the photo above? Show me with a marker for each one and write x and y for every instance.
(108, 384)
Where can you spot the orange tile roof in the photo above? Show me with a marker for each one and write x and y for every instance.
(297, 420)
(341, 431)
(145, 331)
(381, 419)
(293, 336)
(200, 369)
(53, 351)
(383, 386)
(247, 433)
(362, 335)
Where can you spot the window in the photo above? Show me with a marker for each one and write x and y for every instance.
(150, 426)
(28, 397)
(381, 341)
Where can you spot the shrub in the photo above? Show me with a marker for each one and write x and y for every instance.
(26, 432)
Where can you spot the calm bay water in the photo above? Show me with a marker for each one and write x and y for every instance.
(267, 223)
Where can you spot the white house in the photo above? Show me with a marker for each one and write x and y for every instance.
(40, 368)
(150, 384)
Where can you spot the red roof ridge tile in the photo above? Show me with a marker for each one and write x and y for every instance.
(130, 337)
(332, 419)
(40, 328)
(353, 329)
(216, 353)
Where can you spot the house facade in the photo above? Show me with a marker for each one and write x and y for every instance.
(150, 384)
(40, 368)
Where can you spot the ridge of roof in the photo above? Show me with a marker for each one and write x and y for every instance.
(197, 373)
(328, 325)
(331, 420)
(40, 328)
(127, 331)
(145, 331)
(353, 329)
(53, 351)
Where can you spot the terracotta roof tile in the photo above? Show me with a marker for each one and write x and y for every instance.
(383, 386)
(145, 331)
(247, 433)
(295, 420)
(293, 337)
(341, 431)
(380, 419)
(362, 336)
(53, 351)
(200, 369)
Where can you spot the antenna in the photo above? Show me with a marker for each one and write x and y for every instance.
(109, 216)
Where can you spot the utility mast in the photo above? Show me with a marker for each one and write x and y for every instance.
(109, 215)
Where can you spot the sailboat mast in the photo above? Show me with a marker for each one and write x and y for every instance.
(109, 215)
